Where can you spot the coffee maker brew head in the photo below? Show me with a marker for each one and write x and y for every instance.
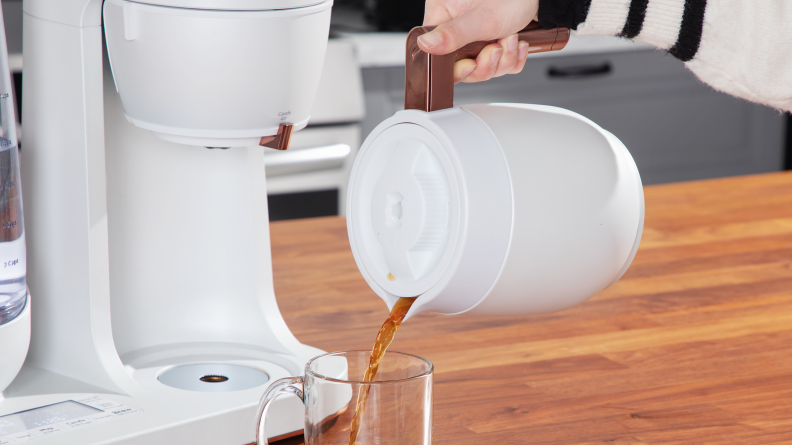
(218, 73)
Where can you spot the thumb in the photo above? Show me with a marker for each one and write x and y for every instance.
(454, 34)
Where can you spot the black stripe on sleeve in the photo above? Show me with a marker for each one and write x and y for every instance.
(563, 13)
(635, 18)
(690, 31)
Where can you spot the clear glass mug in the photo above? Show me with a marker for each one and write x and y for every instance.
(398, 409)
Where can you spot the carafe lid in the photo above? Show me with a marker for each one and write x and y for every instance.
(429, 209)
(405, 206)
(234, 5)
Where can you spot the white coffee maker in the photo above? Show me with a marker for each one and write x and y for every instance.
(155, 319)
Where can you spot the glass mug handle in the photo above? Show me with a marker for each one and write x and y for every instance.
(289, 385)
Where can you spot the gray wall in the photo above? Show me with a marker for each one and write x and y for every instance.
(12, 17)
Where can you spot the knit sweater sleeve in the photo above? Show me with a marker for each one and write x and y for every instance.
(740, 47)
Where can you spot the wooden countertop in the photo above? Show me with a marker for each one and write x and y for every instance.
(692, 345)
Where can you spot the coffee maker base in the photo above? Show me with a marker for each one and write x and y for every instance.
(52, 408)
(14, 343)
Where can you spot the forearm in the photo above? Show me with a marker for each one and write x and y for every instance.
(739, 47)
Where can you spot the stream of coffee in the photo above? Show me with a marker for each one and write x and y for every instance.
(384, 339)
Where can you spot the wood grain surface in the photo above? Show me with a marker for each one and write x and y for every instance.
(692, 346)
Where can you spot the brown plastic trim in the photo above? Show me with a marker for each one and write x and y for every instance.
(281, 140)
(429, 80)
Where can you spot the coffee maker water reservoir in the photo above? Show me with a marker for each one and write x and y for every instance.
(14, 305)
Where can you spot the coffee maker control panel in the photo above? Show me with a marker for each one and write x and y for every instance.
(60, 417)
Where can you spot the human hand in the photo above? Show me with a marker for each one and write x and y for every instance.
(460, 22)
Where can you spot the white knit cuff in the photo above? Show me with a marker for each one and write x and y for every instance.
(605, 17)
(656, 22)
(662, 23)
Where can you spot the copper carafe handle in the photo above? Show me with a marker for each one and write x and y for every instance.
(429, 80)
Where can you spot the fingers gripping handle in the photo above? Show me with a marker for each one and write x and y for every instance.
(429, 79)
(289, 385)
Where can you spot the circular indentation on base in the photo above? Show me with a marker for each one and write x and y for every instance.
(213, 377)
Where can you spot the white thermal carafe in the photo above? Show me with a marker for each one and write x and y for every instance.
(500, 209)
(496, 209)
(14, 306)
